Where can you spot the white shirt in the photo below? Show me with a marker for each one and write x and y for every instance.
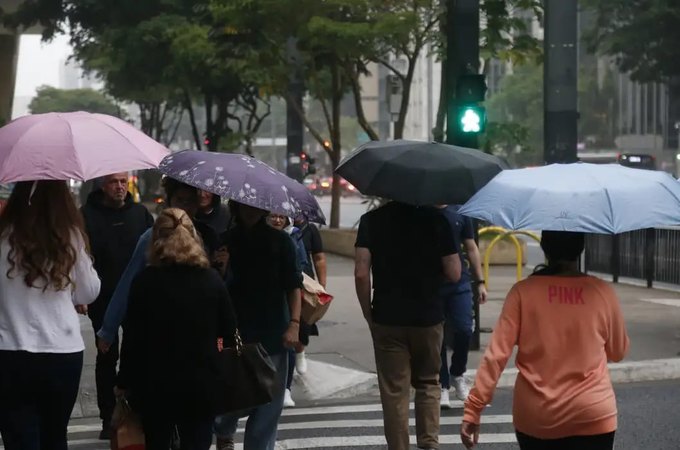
(45, 322)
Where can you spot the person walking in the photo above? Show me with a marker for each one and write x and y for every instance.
(315, 268)
(212, 212)
(458, 302)
(178, 195)
(264, 282)
(180, 299)
(566, 326)
(410, 252)
(48, 277)
(283, 223)
(113, 223)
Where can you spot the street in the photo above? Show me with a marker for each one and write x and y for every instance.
(646, 420)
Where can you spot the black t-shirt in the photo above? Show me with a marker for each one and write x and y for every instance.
(311, 238)
(407, 244)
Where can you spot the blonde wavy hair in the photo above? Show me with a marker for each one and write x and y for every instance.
(175, 241)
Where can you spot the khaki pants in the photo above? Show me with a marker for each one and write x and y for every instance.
(405, 357)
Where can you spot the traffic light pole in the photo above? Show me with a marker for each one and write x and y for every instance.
(294, 125)
(462, 58)
(559, 81)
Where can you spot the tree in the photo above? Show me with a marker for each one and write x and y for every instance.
(516, 112)
(163, 55)
(642, 36)
(515, 115)
(330, 37)
(402, 32)
(50, 99)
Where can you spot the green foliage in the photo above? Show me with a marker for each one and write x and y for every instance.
(516, 113)
(506, 34)
(642, 36)
(50, 99)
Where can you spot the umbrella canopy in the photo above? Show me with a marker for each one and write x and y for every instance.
(78, 145)
(419, 173)
(245, 180)
(590, 198)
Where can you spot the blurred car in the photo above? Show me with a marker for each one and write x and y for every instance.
(348, 189)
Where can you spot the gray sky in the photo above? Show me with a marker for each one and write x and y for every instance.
(39, 63)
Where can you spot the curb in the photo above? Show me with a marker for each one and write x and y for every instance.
(626, 372)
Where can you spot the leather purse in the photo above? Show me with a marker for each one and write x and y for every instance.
(250, 376)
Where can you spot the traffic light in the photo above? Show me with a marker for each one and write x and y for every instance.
(471, 119)
(470, 92)
(308, 164)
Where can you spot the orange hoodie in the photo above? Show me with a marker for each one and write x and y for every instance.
(565, 328)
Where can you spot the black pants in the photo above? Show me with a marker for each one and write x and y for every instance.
(594, 442)
(105, 371)
(194, 434)
(37, 394)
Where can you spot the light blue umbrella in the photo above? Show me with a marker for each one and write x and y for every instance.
(591, 198)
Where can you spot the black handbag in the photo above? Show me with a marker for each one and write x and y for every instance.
(250, 376)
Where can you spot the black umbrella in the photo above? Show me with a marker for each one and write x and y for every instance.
(419, 173)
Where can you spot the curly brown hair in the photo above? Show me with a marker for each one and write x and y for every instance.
(39, 223)
(175, 241)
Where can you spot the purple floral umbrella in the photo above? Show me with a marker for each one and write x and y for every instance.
(245, 180)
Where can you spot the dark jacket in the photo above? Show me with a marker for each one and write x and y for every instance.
(113, 234)
(169, 355)
(218, 218)
(262, 272)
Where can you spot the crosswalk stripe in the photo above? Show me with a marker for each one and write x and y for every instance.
(375, 423)
(345, 409)
(366, 441)
(85, 428)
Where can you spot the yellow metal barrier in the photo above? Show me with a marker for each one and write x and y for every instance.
(502, 234)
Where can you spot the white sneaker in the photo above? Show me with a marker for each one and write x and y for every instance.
(445, 400)
(300, 363)
(288, 400)
(461, 387)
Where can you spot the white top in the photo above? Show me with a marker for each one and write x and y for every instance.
(45, 322)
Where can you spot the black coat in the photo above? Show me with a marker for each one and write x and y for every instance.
(169, 355)
(113, 234)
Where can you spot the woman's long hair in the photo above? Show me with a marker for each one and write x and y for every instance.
(39, 223)
(175, 241)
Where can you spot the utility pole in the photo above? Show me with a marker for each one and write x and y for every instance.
(294, 126)
(559, 81)
(462, 58)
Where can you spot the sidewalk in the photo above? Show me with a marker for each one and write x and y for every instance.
(342, 363)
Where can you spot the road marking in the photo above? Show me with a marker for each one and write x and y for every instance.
(663, 301)
(376, 423)
(366, 441)
(346, 409)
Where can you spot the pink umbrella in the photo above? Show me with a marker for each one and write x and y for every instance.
(76, 145)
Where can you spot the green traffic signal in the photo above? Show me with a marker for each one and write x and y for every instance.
(471, 119)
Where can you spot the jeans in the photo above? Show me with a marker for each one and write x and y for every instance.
(405, 357)
(105, 372)
(37, 395)
(595, 442)
(458, 311)
(263, 421)
(194, 434)
(291, 368)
